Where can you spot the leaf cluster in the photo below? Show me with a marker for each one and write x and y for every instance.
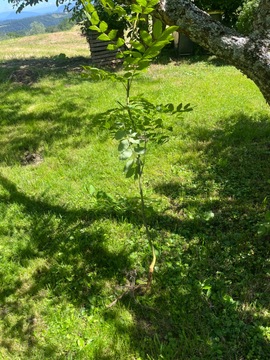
(138, 121)
(138, 47)
(245, 21)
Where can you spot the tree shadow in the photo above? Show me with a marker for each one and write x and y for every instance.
(238, 153)
(212, 265)
(209, 59)
(29, 71)
(23, 132)
(32, 131)
(75, 264)
(230, 189)
(226, 257)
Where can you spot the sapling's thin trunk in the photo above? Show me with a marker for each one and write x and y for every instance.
(140, 166)
(148, 235)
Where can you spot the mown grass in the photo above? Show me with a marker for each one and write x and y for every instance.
(66, 253)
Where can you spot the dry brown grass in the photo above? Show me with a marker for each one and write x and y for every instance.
(71, 43)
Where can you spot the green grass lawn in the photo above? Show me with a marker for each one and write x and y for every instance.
(71, 234)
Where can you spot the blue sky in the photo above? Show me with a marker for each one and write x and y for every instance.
(5, 6)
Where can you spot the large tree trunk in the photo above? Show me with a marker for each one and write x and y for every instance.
(250, 54)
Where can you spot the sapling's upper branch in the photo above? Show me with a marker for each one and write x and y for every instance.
(128, 87)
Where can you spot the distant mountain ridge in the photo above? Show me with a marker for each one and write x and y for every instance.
(24, 24)
(28, 12)
(13, 16)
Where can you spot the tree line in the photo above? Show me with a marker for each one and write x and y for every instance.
(35, 25)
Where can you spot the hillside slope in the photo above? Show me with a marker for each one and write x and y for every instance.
(23, 25)
(71, 43)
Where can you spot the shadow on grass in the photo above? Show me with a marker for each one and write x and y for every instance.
(36, 133)
(207, 58)
(30, 120)
(75, 265)
(226, 258)
(29, 71)
(170, 54)
(211, 287)
(23, 130)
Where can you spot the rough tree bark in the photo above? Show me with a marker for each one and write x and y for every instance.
(250, 54)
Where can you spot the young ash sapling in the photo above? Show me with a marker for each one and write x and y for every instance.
(135, 122)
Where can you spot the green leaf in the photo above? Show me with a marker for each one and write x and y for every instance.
(134, 141)
(94, 18)
(120, 134)
(104, 37)
(179, 107)
(112, 47)
(152, 54)
(128, 75)
(136, 8)
(126, 154)
(120, 42)
(131, 61)
(103, 26)
(94, 28)
(142, 2)
(136, 172)
(134, 134)
(108, 4)
(123, 145)
(127, 52)
(95, 73)
(120, 11)
(112, 34)
(187, 106)
(143, 64)
(157, 29)
(155, 49)
(130, 172)
(128, 165)
(146, 37)
(152, 2)
(170, 107)
(140, 150)
(147, 10)
(89, 7)
(138, 46)
(166, 35)
(136, 54)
